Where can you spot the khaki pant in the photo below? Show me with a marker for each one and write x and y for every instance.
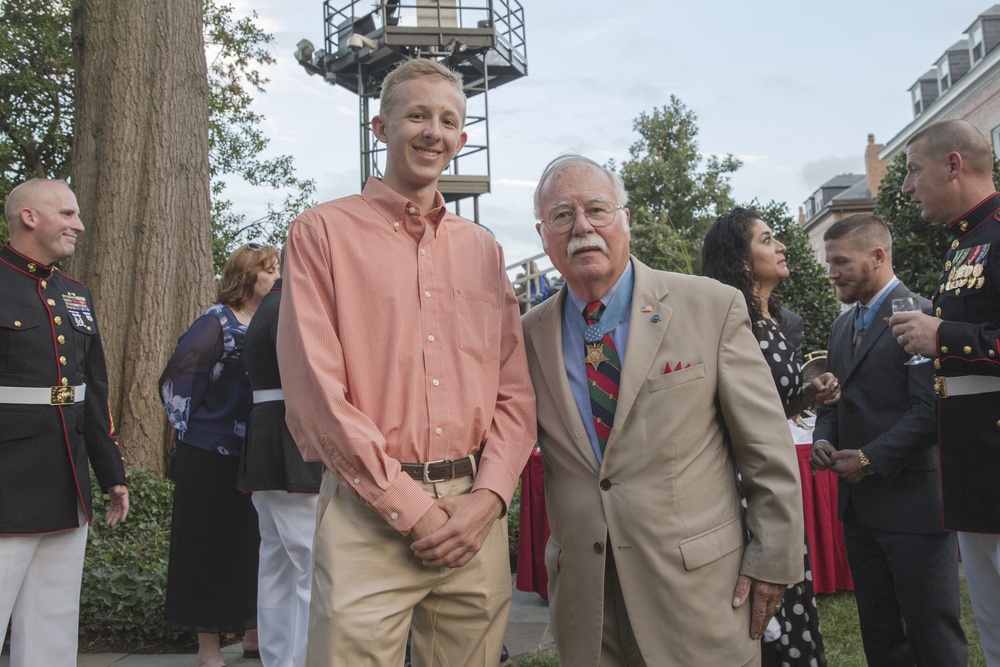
(368, 588)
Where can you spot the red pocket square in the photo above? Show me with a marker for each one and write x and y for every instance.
(678, 367)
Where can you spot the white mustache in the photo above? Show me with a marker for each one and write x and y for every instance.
(578, 243)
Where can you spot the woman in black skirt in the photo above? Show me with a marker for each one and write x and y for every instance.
(741, 250)
(212, 574)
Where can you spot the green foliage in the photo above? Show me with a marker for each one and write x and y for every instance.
(123, 597)
(672, 196)
(236, 135)
(918, 246)
(807, 291)
(36, 114)
(514, 523)
(36, 93)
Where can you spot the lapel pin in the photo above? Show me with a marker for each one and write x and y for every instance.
(645, 309)
(656, 318)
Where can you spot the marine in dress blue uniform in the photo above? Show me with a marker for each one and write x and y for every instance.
(54, 418)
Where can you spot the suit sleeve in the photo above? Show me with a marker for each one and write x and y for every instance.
(103, 449)
(764, 453)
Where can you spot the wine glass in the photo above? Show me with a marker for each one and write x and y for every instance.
(909, 304)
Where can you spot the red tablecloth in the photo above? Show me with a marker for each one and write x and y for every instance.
(824, 532)
(819, 505)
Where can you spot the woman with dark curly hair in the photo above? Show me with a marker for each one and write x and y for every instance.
(741, 250)
(205, 389)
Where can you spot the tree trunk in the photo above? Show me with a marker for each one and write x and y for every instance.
(141, 176)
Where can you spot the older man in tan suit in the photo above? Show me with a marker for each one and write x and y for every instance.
(652, 394)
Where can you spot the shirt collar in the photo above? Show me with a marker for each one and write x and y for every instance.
(394, 207)
(580, 304)
(881, 293)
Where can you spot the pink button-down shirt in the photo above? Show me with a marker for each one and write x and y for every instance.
(399, 340)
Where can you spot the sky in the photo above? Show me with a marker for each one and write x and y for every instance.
(791, 88)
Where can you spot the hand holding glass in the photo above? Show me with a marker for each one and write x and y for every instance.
(909, 304)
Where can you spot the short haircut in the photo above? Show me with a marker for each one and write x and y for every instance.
(569, 159)
(24, 196)
(416, 68)
(866, 231)
(239, 275)
(959, 136)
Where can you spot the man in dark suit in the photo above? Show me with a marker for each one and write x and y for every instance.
(880, 439)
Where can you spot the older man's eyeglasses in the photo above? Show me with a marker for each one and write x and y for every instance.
(600, 214)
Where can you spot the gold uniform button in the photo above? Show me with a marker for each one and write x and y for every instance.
(31, 267)
(954, 244)
(944, 349)
(44, 284)
(57, 319)
(938, 311)
(937, 364)
(62, 360)
(967, 349)
(992, 353)
(64, 382)
(88, 328)
(51, 302)
(17, 323)
(947, 265)
(963, 225)
(61, 339)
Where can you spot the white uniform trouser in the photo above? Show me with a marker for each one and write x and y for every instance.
(981, 560)
(287, 526)
(40, 595)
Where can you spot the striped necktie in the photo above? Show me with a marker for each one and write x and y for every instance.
(603, 377)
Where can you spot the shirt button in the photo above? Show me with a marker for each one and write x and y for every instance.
(439, 430)
(51, 302)
(431, 338)
(423, 251)
(605, 484)
(412, 209)
(357, 480)
(395, 224)
(394, 516)
(427, 293)
(435, 382)
(598, 548)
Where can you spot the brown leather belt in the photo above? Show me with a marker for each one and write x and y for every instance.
(440, 471)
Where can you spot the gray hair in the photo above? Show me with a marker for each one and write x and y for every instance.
(569, 159)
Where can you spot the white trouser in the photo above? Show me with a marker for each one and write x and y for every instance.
(40, 594)
(287, 525)
(981, 560)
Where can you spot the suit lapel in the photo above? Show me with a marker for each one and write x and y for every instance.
(878, 327)
(644, 339)
(546, 338)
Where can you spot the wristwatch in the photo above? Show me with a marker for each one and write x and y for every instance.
(866, 466)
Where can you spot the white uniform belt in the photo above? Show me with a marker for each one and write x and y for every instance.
(964, 385)
(43, 395)
(265, 395)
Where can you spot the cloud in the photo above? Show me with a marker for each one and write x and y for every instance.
(516, 183)
(817, 172)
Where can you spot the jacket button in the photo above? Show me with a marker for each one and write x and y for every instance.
(598, 548)
(967, 349)
(605, 484)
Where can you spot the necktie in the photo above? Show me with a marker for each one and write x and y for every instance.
(603, 377)
(859, 327)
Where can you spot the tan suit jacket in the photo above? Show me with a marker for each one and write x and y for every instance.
(665, 500)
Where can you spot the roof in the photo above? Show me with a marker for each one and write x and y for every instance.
(857, 191)
(992, 12)
(843, 181)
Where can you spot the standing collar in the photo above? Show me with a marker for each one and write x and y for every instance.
(984, 210)
(25, 264)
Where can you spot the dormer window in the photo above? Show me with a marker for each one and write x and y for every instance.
(944, 75)
(918, 101)
(976, 43)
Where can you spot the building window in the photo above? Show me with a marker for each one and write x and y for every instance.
(996, 141)
(976, 43)
(918, 102)
(944, 76)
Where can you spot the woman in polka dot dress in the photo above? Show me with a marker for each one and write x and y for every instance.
(741, 250)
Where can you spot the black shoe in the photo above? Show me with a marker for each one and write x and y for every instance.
(504, 655)
(252, 655)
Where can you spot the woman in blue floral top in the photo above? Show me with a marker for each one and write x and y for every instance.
(212, 574)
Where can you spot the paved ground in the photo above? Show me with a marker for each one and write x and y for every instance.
(527, 633)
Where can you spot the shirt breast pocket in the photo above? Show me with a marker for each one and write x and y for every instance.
(478, 321)
(23, 341)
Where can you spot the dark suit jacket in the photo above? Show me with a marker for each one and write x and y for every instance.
(887, 410)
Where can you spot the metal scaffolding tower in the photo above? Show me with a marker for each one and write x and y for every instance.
(481, 39)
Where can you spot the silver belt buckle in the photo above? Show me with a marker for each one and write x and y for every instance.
(427, 478)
